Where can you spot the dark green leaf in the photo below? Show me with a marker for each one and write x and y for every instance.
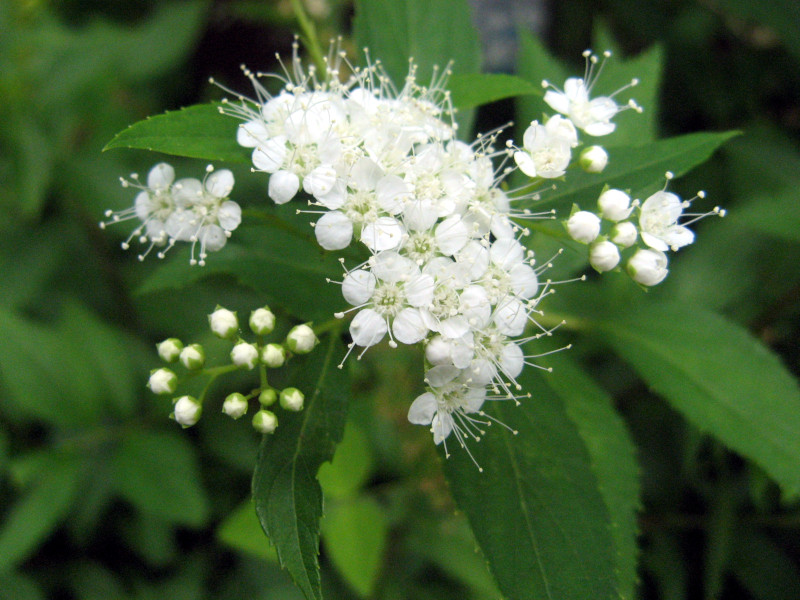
(776, 214)
(536, 510)
(762, 567)
(476, 89)
(722, 379)
(198, 131)
(287, 495)
(534, 64)
(781, 16)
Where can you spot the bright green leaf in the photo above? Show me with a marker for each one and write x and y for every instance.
(350, 467)
(476, 89)
(536, 510)
(287, 495)
(242, 531)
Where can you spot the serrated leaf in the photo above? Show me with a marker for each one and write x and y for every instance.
(198, 131)
(287, 494)
(476, 89)
(721, 379)
(536, 510)
(396, 30)
(613, 458)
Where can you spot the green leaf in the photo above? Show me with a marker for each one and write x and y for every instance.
(781, 16)
(776, 214)
(352, 464)
(536, 510)
(287, 495)
(242, 531)
(535, 63)
(720, 377)
(763, 568)
(198, 131)
(355, 534)
(476, 89)
(15, 586)
(613, 457)
(432, 32)
(157, 472)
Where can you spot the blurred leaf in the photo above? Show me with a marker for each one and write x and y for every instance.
(15, 586)
(723, 380)
(535, 63)
(782, 16)
(90, 581)
(355, 533)
(396, 30)
(665, 562)
(763, 568)
(157, 472)
(40, 509)
(776, 214)
(350, 467)
(242, 531)
(536, 510)
(198, 131)
(613, 457)
(476, 89)
(287, 495)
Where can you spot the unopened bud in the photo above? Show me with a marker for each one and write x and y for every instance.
(584, 226)
(244, 355)
(593, 159)
(267, 397)
(162, 381)
(265, 421)
(187, 411)
(262, 321)
(648, 267)
(301, 339)
(193, 357)
(615, 205)
(223, 323)
(624, 234)
(292, 399)
(604, 255)
(273, 355)
(235, 405)
(169, 350)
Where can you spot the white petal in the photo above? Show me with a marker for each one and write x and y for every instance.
(251, 134)
(392, 193)
(212, 238)
(422, 409)
(385, 233)
(320, 181)
(367, 328)
(524, 280)
(408, 326)
(160, 176)
(220, 183)
(454, 327)
(525, 163)
(419, 290)
(441, 425)
(283, 186)
(390, 267)
(557, 101)
(270, 155)
(452, 234)
(358, 286)
(438, 350)
(334, 230)
(187, 192)
(229, 215)
(511, 360)
(474, 305)
(506, 252)
(510, 317)
(440, 375)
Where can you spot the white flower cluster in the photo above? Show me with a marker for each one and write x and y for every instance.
(621, 222)
(187, 210)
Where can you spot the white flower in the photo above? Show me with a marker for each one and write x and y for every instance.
(265, 421)
(169, 350)
(301, 339)
(648, 267)
(223, 323)
(292, 399)
(624, 234)
(593, 159)
(385, 233)
(244, 355)
(262, 321)
(614, 205)
(592, 116)
(273, 355)
(235, 405)
(546, 152)
(187, 411)
(604, 255)
(162, 381)
(584, 226)
(658, 222)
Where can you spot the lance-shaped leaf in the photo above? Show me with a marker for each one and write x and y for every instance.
(476, 89)
(287, 494)
(536, 510)
(198, 131)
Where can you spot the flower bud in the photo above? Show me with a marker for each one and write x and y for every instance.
(267, 397)
(648, 267)
(615, 205)
(584, 226)
(604, 256)
(162, 381)
(262, 321)
(624, 234)
(301, 339)
(273, 355)
(187, 411)
(193, 357)
(593, 159)
(235, 405)
(292, 399)
(223, 323)
(265, 421)
(244, 355)
(169, 350)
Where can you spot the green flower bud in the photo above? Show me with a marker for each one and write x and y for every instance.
(169, 350)
(244, 355)
(162, 381)
(223, 323)
(265, 421)
(193, 357)
(273, 355)
(301, 339)
(292, 399)
(187, 411)
(235, 405)
(267, 397)
(262, 321)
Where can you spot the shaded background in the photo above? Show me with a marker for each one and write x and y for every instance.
(101, 496)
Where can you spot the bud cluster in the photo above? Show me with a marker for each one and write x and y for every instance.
(244, 355)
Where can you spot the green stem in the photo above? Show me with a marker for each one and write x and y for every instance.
(310, 38)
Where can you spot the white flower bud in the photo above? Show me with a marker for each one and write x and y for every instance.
(584, 226)
(235, 405)
(615, 205)
(244, 355)
(193, 357)
(223, 323)
(162, 381)
(262, 321)
(187, 411)
(301, 339)
(265, 421)
(283, 186)
(593, 159)
(273, 355)
(292, 399)
(604, 256)
(648, 267)
(624, 234)
(169, 350)
(268, 397)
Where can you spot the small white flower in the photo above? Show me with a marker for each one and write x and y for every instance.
(262, 321)
(658, 222)
(301, 339)
(223, 323)
(614, 205)
(273, 355)
(162, 381)
(193, 357)
(235, 405)
(292, 399)
(604, 255)
(584, 226)
(624, 234)
(593, 159)
(187, 411)
(265, 421)
(244, 355)
(169, 350)
(648, 267)
(546, 153)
